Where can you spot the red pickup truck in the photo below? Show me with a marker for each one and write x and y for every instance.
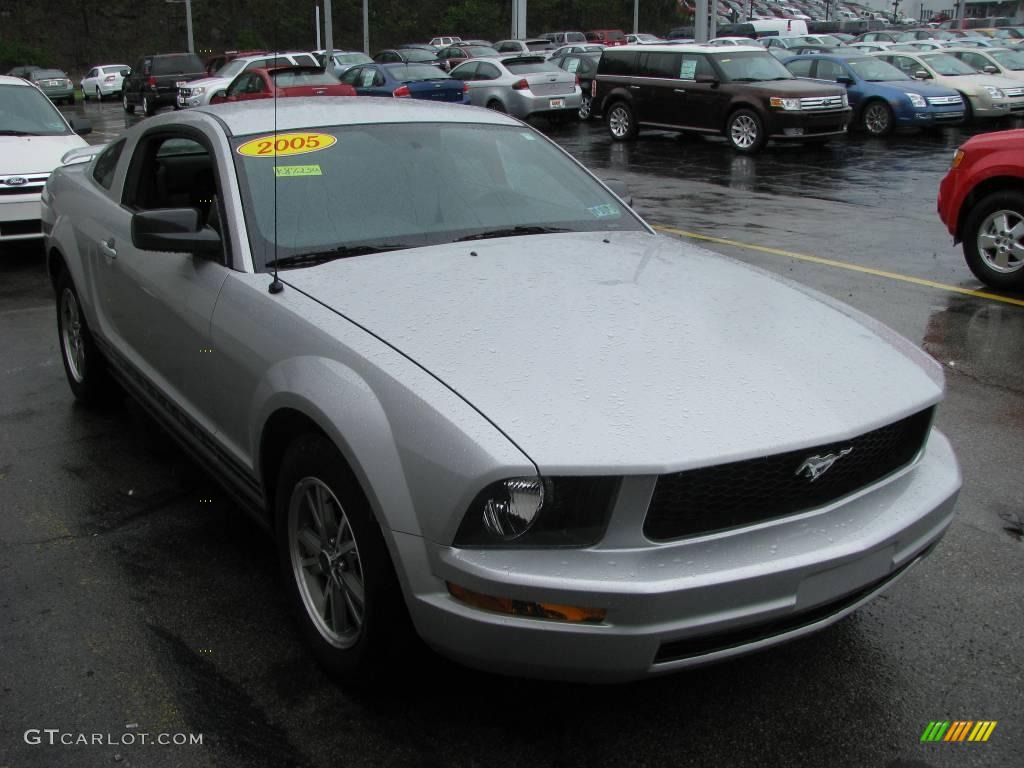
(981, 202)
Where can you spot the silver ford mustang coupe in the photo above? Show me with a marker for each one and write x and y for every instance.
(471, 393)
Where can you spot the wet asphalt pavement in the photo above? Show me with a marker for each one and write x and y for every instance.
(128, 605)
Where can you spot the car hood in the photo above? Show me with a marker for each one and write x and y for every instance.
(975, 83)
(210, 82)
(630, 352)
(35, 154)
(796, 87)
(913, 86)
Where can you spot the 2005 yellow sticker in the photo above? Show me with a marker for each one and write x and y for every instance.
(282, 144)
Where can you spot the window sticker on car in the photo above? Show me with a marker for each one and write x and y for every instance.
(604, 211)
(283, 144)
(297, 170)
(528, 136)
(687, 69)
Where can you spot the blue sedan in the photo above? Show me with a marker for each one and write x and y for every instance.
(411, 81)
(882, 97)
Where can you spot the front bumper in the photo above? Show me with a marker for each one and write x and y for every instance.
(801, 125)
(939, 115)
(522, 104)
(20, 218)
(682, 603)
(995, 108)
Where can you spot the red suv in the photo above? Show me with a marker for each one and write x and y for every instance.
(606, 37)
(981, 202)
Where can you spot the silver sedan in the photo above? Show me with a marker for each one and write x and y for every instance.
(473, 394)
(521, 86)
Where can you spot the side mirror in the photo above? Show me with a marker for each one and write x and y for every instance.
(219, 97)
(922, 75)
(81, 125)
(845, 80)
(991, 69)
(621, 191)
(711, 79)
(174, 229)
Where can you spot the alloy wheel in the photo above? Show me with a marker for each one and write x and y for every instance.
(325, 562)
(1001, 241)
(72, 339)
(876, 119)
(743, 131)
(618, 122)
(585, 108)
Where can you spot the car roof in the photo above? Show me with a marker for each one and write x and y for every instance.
(11, 80)
(264, 116)
(689, 48)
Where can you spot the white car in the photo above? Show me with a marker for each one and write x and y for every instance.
(719, 41)
(104, 80)
(197, 93)
(444, 42)
(643, 38)
(34, 136)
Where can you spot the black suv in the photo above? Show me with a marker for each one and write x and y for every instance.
(740, 92)
(153, 81)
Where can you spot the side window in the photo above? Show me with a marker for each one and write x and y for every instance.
(829, 70)
(351, 77)
(571, 64)
(660, 65)
(457, 53)
(487, 71)
(801, 67)
(693, 64)
(906, 65)
(92, 73)
(379, 79)
(465, 72)
(240, 84)
(618, 63)
(975, 60)
(106, 164)
(367, 77)
(259, 85)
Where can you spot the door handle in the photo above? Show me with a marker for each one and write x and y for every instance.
(679, 90)
(107, 246)
(635, 87)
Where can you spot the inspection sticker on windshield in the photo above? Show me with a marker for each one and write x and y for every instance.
(297, 170)
(281, 144)
(603, 211)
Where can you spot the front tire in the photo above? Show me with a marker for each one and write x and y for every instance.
(877, 118)
(621, 122)
(994, 240)
(84, 366)
(338, 574)
(745, 131)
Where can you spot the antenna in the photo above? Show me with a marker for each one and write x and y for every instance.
(276, 286)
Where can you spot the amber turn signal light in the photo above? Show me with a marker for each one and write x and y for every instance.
(510, 607)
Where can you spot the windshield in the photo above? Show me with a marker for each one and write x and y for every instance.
(299, 79)
(1010, 59)
(25, 111)
(231, 69)
(414, 73)
(875, 70)
(415, 54)
(405, 185)
(947, 65)
(752, 66)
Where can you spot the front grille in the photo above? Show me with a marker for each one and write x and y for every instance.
(709, 499)
(1013, 92)
(33, 184)
(23, 227)
(185, 92)
(938, 101)
(947, 115)
(822, 102)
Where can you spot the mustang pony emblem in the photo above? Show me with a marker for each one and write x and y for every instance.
(816, 466)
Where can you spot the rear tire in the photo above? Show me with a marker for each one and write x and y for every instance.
(339, 578)
(99, 95)
(147, 109)
(585, 108)
(745, 131)
(621, 122)
(129, 108)
(993, 253)
(496, 105)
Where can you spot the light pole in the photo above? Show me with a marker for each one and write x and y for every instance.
(636, 17)
(188, 22)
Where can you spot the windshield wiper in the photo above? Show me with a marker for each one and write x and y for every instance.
(19, 133)
(512, 232)
(321, 257)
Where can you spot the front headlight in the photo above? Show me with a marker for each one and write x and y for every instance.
(790, 105)
(917, 100)
(198, 91)
(533, 512)
(994, 92)
(846, 100)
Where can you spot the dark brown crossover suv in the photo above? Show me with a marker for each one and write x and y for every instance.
(740, 92)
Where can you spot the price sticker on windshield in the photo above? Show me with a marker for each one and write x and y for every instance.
(282, 144)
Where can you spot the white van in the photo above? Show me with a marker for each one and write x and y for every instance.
(779, 27)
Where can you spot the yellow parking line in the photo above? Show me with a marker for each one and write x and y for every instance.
(841, 265)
